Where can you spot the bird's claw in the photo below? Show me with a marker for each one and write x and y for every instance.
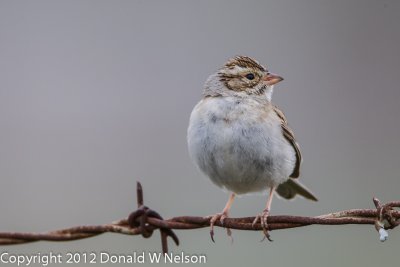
(263, 218)
(221, 216)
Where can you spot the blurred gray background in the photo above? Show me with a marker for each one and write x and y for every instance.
(95, 95)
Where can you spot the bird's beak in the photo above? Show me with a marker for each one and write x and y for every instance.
(271, 79)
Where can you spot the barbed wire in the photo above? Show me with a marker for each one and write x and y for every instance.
(144, 221)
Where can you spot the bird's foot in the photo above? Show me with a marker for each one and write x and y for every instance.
(263, 217)
(221, 217)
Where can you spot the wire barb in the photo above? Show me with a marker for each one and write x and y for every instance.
(143, 221)
(139, 218)
(385, 219)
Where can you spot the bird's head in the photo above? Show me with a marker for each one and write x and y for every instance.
(242, 75)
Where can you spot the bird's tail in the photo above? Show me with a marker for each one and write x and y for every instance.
(291, 188)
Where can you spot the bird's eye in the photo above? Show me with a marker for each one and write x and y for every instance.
(250, 76)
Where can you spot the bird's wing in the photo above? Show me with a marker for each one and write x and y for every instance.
(288, 133)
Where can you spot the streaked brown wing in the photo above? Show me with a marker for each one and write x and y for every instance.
(288, 133)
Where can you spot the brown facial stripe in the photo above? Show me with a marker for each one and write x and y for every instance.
(244, 62)
(260, 91)
(225, 78)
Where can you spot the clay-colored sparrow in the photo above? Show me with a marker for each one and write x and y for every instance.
(242, 141)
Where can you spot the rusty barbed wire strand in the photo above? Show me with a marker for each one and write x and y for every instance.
(144, 221)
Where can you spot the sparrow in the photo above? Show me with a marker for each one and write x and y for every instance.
(242, 141)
